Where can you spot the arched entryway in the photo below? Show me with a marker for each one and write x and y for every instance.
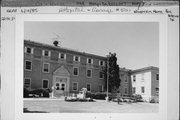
(61, 81)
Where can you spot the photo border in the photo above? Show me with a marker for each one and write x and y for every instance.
(19, 58)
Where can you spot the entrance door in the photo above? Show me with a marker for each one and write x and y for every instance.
(63, 86)
(57, 85)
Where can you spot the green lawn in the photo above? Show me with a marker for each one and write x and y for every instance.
(99, 106)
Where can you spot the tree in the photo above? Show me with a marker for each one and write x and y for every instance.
(112, 69)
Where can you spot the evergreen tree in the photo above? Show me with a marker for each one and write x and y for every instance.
(112, 69)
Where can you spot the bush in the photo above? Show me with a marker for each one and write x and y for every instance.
(26, 93)
(98, 95)
(154, 100)
(137, 98)
(40, 92)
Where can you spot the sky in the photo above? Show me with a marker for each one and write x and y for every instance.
(136, 44)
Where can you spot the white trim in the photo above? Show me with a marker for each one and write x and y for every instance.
(43, 53)
(25, 65)
(73, 84)
(77, 72)
(125, 91)
(102, 75)
(102, 63)
(62, 58)
(48, 83)
(75, 57)
(30, 81)
(88, 61)
(32, 50)
(48, 68)
(126, 79)
(87, 73)
(90, 86)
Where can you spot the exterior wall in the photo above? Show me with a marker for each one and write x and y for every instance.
(155, 83)
(37, 75)
(146, 83)
(125, 82)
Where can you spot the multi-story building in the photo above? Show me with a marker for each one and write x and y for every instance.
(145, 81)
(66, 70)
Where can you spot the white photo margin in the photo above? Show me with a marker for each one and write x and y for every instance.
(19, 45)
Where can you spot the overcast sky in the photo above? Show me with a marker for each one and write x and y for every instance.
(136, 44)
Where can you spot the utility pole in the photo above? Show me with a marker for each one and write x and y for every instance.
(107, 96)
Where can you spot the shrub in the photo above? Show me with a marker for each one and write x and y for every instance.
(137, 98)
(26, 93)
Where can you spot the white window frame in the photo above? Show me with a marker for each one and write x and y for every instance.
(48, 68)
(32, 50)
(158, 76)
(48, 83)
(87, 73)
(90, 86)
(30, 81)
(60, 56)
(134, 76)
(102, 75)
(31, 65)
(88, 60)
(133, 92)
(100, 63)
(49, 53)
(73, 86)
(77, 70)
(102, 88)
(125, 90)
(75, 57)
(141, 89)
(126, 79)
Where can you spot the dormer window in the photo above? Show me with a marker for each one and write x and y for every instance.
(46, 53)
(76, 58)
(29, 50)
(89, 61)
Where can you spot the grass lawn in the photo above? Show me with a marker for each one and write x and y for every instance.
(99, 106)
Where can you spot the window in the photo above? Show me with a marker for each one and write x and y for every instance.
(89, 73)
(28, 65)
(62, 56)
(76, 58)
(29, 50)
(142, 90)
(75, 86)
(126, 79)
(88, 87)
(100, 88)
(75, 71)
(27, 82)
(89, 61)
(101, 75)
(134, 90)
(142, 77)
(134, 78)
(46, 67)
(157, 91)
(45, 84)
(101, 63)
(46, 53)
(126, 90)
(157, 76)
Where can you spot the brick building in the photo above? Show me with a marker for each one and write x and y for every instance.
(68, 70)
